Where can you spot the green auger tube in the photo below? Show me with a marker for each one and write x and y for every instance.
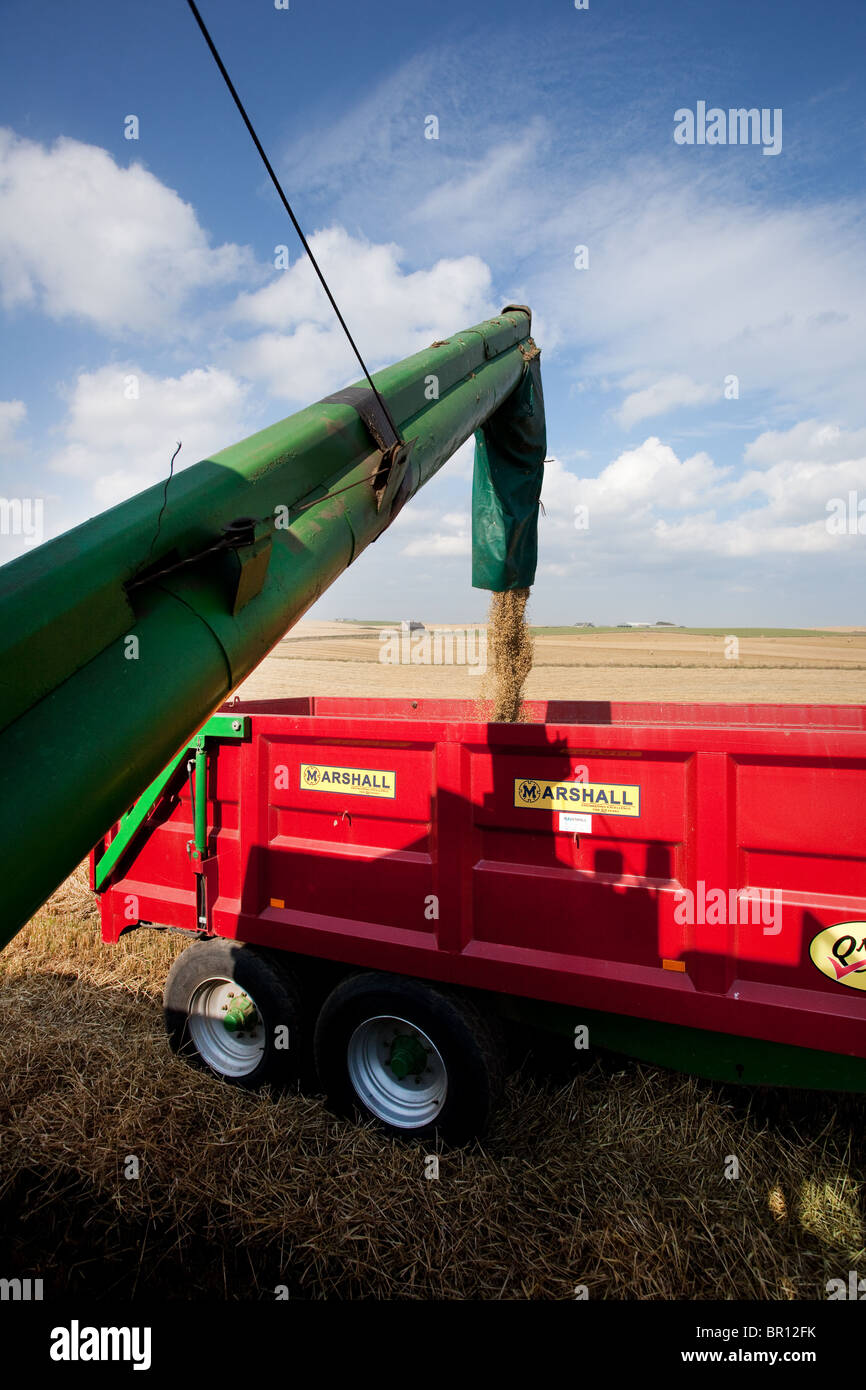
(121, 637)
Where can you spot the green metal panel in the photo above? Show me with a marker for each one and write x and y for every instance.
(698, 1051)
(106, 673)
(218, 726)
(134, 819)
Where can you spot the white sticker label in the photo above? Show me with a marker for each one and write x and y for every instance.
(569, 820)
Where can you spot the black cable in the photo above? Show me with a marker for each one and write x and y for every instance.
(164, 497)
(275, 181)
(225, 543)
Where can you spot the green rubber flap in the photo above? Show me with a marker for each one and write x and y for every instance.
(506, 487)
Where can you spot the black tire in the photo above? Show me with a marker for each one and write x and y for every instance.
(276, 1056)
(469, 1043)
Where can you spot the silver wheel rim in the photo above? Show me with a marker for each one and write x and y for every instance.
(379, 1050)
(231, 1051)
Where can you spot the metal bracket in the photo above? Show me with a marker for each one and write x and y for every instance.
(369, 407)
(390, 474)
(395, 451)
(250, 561)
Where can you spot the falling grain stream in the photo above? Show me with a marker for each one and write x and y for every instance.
(509, 652)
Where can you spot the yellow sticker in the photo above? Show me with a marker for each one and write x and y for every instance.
(840, 953)
(356, 781)
(604, 798)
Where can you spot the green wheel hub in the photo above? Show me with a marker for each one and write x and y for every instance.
(408, 1056)
(241, 1014)
(397, 1071)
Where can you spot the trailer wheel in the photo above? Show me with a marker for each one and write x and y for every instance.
(235, 1011)
(418, 1060)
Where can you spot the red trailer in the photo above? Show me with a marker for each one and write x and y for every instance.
(375, 883)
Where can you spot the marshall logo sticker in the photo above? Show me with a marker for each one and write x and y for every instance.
(357, 781)
(604, 798)
(840, 953)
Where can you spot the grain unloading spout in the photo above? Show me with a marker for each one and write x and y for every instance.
(506, 489)
(120, 638)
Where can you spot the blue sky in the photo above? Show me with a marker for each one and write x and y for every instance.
(706, 501)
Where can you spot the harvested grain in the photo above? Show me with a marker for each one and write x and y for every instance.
(509, 656)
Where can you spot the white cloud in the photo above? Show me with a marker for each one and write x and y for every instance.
(800, 490)
(461, 464)
(694, 269)
(119, 446)
(80, 236)
(464, 201)
(648, 478)
(449, 535)
(298, 367)
(327, 156)
(697, 269)
(662, 396)
(437, 543)
(303, 352)
(757, 536)
(457, 193)
(809, 440)
(12, 416)
(685, 273)
(649, 503)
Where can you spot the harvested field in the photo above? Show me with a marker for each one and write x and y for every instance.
(611, 1176)
(324, 658)
(608, 1174)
